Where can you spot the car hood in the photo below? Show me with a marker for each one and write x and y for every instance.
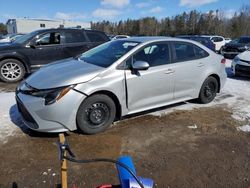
(9, 46)
(245, 56)
(63, 73)
(236, 45)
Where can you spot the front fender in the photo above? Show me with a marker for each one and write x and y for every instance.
(113, 83)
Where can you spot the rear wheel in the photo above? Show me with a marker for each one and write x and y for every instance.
(208, 90)
(11, 70)
(96, 114)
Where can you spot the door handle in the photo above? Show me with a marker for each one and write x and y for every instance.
(200, 64)
(169, 71)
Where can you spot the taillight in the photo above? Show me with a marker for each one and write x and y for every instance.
(223, 61)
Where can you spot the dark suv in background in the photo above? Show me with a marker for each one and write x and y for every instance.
(38, 48)
(206, 41)
(235, 47)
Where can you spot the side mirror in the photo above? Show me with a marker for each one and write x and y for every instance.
(140, 65)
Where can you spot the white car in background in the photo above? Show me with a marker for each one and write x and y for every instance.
(218, 41)
(120, 37)
(10, 38)
(228, 40)
(241, 64)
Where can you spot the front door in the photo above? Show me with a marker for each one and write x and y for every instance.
(147, 89)
(48, 48)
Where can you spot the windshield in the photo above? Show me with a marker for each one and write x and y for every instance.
(107, 53)
(25, 38)
(235, 41)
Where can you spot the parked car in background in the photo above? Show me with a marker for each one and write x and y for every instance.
(235, 47)
(34, 50)
(241, 64)
(201, 39)
(119, 78)
(10, 38)
(227, 40)
(218, 41)
(120, 37)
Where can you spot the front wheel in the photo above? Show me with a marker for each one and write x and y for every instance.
(11, 70)
(208, 90)
(96, 114)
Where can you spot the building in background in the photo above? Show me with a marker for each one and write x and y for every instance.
(25, 25)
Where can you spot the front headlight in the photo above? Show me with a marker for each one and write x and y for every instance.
(51, 95)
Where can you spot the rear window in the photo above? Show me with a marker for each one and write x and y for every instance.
(96, 36)
(184, 51)
(74, 36)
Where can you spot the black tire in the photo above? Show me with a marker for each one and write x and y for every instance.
(11, 70)
(221, 51)
(236, 74)
(208, 90)
(96, 114)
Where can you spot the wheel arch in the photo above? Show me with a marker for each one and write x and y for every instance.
(216, 76)
(18, 59)
(114, 98)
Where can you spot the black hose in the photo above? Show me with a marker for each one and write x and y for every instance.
(109, 161)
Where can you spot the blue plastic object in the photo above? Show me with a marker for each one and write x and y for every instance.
(126, 179)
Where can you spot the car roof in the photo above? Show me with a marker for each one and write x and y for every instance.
(146, 39)
(155, 39)
(247, 36)
(66, 29)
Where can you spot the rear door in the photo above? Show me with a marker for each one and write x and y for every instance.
(189, 63)
(150, 88)
(75, 42)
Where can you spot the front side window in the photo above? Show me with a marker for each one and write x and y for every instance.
(184, 51)
(107, 53)
(154, 55)
(49, 39)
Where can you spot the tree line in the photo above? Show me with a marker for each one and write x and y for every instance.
(187, 23)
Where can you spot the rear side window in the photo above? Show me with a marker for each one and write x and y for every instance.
(184, 51)
(217, 39)
(200, 53)
(74, 36)
(96, 37)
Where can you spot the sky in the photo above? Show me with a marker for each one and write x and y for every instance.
(112, 10)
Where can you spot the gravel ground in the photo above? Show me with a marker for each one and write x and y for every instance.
(184, 145)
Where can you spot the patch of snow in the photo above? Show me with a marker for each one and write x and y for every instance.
(7, 116)
(193, 126)
(244, 128)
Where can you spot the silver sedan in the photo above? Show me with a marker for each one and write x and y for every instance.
(118, 78)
